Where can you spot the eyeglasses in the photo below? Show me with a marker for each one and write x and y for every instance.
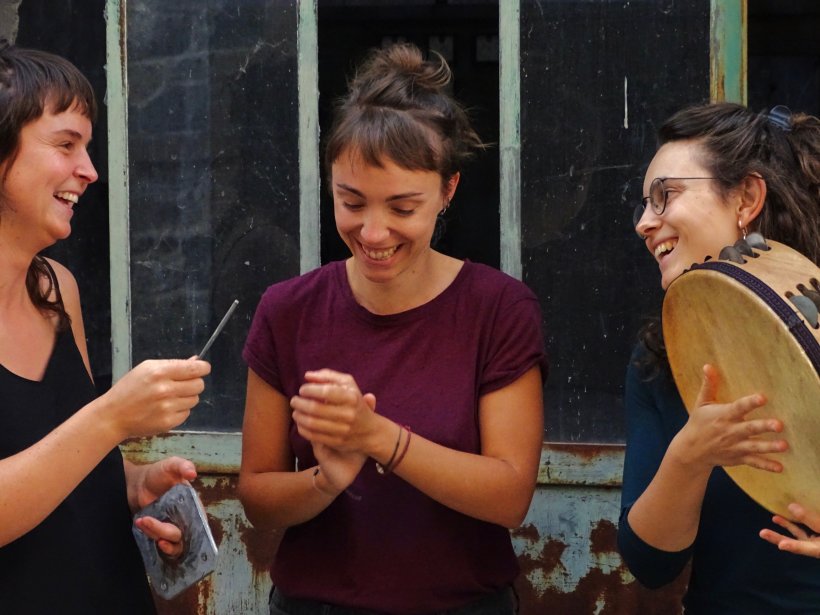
(658, 195)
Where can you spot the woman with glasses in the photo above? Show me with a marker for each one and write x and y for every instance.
(721, 171)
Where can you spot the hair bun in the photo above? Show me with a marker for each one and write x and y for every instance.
(398, 107)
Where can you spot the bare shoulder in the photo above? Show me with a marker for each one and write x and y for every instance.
(71, 302)
(68, 285)
(64, 276)
(71, 295)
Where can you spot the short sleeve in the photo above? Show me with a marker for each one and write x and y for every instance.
(260, 347)
(516, 344)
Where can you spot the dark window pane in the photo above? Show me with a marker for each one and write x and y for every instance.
(214, 179)
(596, 79)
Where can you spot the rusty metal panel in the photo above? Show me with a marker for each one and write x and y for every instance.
(569, 561)
(211, 452)
(566, 546)
(581, 464)
(240, 583)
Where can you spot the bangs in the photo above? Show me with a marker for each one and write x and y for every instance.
(71, 95)
(32, 82)
(377, 133)
(43, 81)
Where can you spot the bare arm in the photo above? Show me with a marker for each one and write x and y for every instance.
(498, 484)
(152, 398)
(71, 301)
(495, 486)
(34, 481)
(272, 494)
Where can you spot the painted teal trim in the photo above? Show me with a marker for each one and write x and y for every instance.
(309, 177)
(727, 51)
(509, 13)
(211, 452)
(118, 220)
(599, 465)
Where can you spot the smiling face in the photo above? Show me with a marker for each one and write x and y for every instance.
(386, 215)
(697, 222)
(46, 178)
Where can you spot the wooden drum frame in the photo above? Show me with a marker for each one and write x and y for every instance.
(741, 317)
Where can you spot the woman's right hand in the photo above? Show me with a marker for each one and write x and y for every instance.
(720, 434)
(338, 469)
(155, 396)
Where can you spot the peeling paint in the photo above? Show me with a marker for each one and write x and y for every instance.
(728, 51)
(567, 550)
(566, 546)
(261, 546)
(604, 537)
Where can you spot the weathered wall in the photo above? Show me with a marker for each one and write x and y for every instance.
(566, 545)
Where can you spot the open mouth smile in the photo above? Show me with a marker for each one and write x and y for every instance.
(379, 255)
(68, 197)
(665, 248)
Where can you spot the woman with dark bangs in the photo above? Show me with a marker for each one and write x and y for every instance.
(66, 494)
(394, 419)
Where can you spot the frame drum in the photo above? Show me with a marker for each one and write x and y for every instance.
(755, 319)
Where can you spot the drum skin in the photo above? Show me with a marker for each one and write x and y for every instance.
(709, 317)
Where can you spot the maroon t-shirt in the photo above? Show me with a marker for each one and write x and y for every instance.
(392, 548)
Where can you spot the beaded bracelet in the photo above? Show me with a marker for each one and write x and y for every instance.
(385, 469)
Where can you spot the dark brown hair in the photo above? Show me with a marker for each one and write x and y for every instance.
(32, 81)
(397, 108)
(782, 147)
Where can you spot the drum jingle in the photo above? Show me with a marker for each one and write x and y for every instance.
(753, 314)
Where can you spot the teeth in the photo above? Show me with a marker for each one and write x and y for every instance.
(68, 196)
(380, 255)
(666, 246)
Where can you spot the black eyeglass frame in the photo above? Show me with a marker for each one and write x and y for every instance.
(658, 208)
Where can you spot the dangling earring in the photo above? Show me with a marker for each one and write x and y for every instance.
(445, 208)
(742, 228)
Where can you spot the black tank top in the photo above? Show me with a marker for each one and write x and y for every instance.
(82, 558)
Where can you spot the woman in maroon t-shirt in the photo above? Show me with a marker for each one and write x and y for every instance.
(403, 386)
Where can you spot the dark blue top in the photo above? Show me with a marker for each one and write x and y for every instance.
(734, 571)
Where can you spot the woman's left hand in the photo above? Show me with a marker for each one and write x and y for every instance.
(147, 483)
(802, 543)
(331, 410)
(338, 469)
(167, 535)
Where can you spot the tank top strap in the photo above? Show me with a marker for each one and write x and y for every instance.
(54, 281)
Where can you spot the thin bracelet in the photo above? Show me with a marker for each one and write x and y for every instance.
(385, 469)
(404, 450)
(349, 492)
(313, 478)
